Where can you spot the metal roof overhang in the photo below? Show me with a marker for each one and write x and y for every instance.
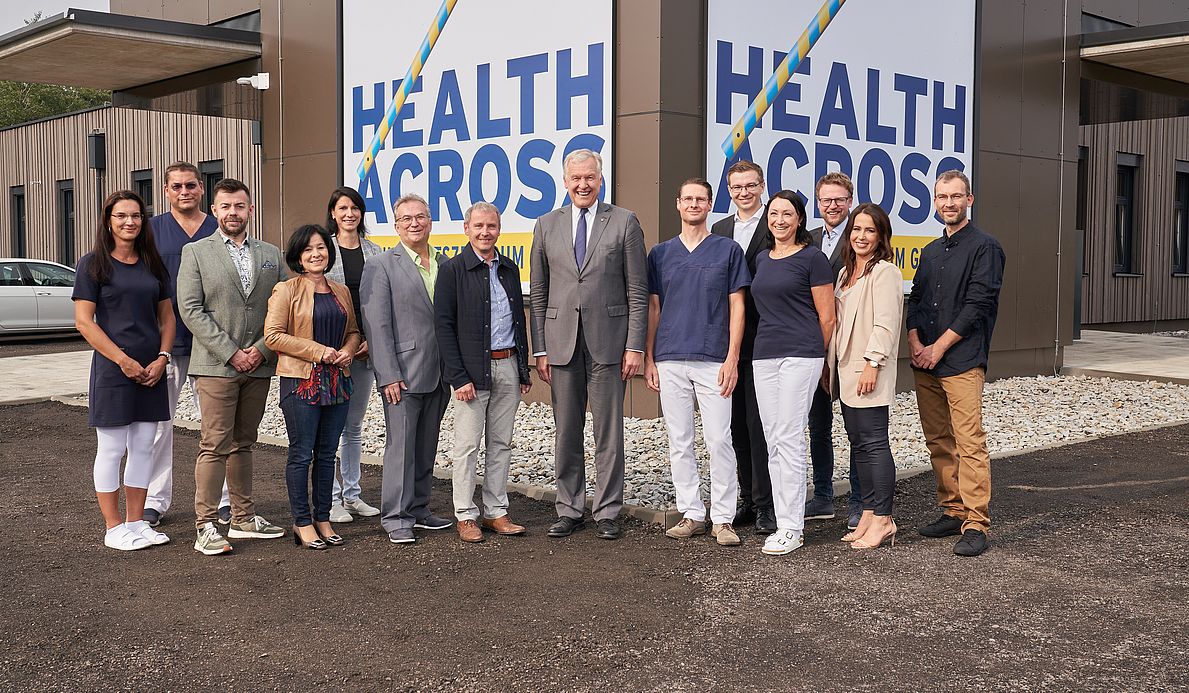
(1160, 50)
(99, 50)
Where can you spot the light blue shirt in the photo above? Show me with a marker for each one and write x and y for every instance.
(501, 309)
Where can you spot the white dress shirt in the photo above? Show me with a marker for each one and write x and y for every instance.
(745, 229)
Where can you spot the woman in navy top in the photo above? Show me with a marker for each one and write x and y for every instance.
(311, 327)
(793, 294)
(122, 308)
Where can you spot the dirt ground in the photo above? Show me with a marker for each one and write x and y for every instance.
(1083, 590)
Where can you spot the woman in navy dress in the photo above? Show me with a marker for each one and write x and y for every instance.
(311, 327)
(122, 308)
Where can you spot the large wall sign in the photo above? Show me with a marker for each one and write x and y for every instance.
(886, 95)
(508, 89)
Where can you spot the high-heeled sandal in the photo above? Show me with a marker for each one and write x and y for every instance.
(855, 533)
(331, 539)
(862, 544)
(314, 545)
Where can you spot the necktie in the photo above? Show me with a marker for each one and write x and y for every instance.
(580, 237)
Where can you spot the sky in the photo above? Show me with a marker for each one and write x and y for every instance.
(14, 14)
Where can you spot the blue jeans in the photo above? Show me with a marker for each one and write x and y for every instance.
(821, 452)
(314, 432)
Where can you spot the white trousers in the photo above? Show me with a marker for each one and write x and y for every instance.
(160, 493)
(135, 439)
(683, 383)
(784, 392)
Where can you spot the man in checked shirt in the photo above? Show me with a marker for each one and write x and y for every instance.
(951, 314)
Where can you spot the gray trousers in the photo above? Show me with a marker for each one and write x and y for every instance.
(574, 385)
(492, 412)
(411, 444)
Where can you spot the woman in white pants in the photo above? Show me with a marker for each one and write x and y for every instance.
(122, 308)
(793, 289)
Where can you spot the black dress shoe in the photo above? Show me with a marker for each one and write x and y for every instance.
(944, 526)
(745, 514)
(608, 529)
(765, 521)
(565, 526)
(972, 543)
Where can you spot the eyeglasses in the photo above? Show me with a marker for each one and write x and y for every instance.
(408, 219)
(177, 187)
(691, 200)
(955, 198)
(749, 187)
(121, 218)
(831, 201)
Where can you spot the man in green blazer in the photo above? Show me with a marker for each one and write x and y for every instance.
(224, 284)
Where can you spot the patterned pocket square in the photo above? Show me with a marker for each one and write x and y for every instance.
(268, 265)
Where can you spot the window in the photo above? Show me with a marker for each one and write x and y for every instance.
(10, 274)
(1126, 173)
(1180, 220)
(44, 274)
(16, 197)
(142, 184)
(66, 221)
(209, 172)
(1083, 182)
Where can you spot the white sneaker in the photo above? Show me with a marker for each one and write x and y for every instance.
(784, 541)
(360, 508)
(142, 529)
(123, 539)
(339, 514)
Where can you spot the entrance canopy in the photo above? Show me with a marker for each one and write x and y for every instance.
(1160, 50)
(83, 48)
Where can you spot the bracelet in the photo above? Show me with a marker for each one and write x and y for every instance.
(167, 355)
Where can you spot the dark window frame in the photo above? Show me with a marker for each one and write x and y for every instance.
(67, 213)
(18, 218)
(142, 184)
(1083, 189)
(1127, 167)
(209, 172)
(1180, 224)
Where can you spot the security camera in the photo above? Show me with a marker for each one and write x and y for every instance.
(256, 81)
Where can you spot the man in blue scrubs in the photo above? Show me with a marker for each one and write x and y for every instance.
(184, 222)
(696, 283)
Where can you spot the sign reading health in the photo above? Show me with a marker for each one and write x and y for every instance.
(505, 91)
(885, 95)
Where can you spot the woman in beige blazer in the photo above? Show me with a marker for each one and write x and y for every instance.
(870, 303)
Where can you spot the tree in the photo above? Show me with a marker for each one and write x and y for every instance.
(21, 102)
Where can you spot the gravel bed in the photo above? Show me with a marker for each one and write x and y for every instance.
(1183, 334)
(1018, 413)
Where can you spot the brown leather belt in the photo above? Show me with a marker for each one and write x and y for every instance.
(502, 354)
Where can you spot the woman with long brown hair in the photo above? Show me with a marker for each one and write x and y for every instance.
(122, 308)
(870, 305)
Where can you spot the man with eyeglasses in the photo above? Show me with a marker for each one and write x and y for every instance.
(696, 283)
(950, 316)
(834, 192)
(182, 224)
(748, 227)
(589, 291)
(397, 294)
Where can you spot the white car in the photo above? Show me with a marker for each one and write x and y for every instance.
(35, 297)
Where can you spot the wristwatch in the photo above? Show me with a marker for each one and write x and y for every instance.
(167, 355)
(871, 363)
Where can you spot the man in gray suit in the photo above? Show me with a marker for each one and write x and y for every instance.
(834, 192)
(396, 293)
(224, 283)
(589, 292)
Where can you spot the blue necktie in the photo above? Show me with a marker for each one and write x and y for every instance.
(580, 238)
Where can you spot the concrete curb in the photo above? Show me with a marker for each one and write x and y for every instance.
(1117, 375)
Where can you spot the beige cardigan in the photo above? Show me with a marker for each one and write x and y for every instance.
(868, 327)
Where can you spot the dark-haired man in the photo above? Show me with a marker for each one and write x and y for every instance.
(224, 284)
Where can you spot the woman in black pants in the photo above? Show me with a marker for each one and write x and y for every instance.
(862, 359)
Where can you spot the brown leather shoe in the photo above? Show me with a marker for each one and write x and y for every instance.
(468, 531)
(502, 525)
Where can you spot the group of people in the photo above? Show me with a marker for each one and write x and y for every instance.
(759, 322)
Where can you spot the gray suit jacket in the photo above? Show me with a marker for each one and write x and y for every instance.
(399, 322)
(835, 257)
(212, 303)
(609, 291)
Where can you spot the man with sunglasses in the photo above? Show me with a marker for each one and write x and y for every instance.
(834, 192)
(181, 224)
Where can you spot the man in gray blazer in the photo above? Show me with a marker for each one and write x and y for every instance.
(589, 291)
(396, 293)
(224, 283)
(835, 193)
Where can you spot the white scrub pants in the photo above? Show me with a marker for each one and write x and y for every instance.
(784, 392)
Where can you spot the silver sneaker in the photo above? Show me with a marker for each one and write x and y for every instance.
(339, 514)
(255, 528)
(210, 542)
(360, 508)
